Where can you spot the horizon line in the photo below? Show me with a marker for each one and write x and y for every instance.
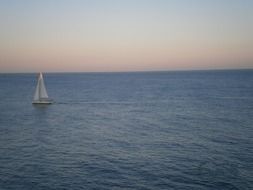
(131, 71)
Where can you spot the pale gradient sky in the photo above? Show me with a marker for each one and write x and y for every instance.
(125, 35)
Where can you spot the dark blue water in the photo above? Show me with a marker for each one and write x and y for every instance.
(158, 130)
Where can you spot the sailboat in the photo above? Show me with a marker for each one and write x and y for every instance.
(40, 96)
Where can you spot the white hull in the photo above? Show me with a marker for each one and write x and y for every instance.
(42, 102)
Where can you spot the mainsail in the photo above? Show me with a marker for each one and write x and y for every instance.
(40, 95)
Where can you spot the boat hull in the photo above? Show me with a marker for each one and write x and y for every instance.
(42, 102)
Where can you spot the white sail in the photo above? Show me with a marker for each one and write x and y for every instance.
(40, 95)
(36, 95)
(43, 91)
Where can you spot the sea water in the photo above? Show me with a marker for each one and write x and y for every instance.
(140, 130)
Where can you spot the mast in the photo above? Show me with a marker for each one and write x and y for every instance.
(40, 76)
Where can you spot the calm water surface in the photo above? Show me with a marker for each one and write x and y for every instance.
(157, 130)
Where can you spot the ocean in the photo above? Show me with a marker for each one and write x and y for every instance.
(142, 130)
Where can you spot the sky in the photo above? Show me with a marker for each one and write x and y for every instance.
(125, 35)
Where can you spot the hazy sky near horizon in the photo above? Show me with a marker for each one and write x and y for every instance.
(125, 35)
